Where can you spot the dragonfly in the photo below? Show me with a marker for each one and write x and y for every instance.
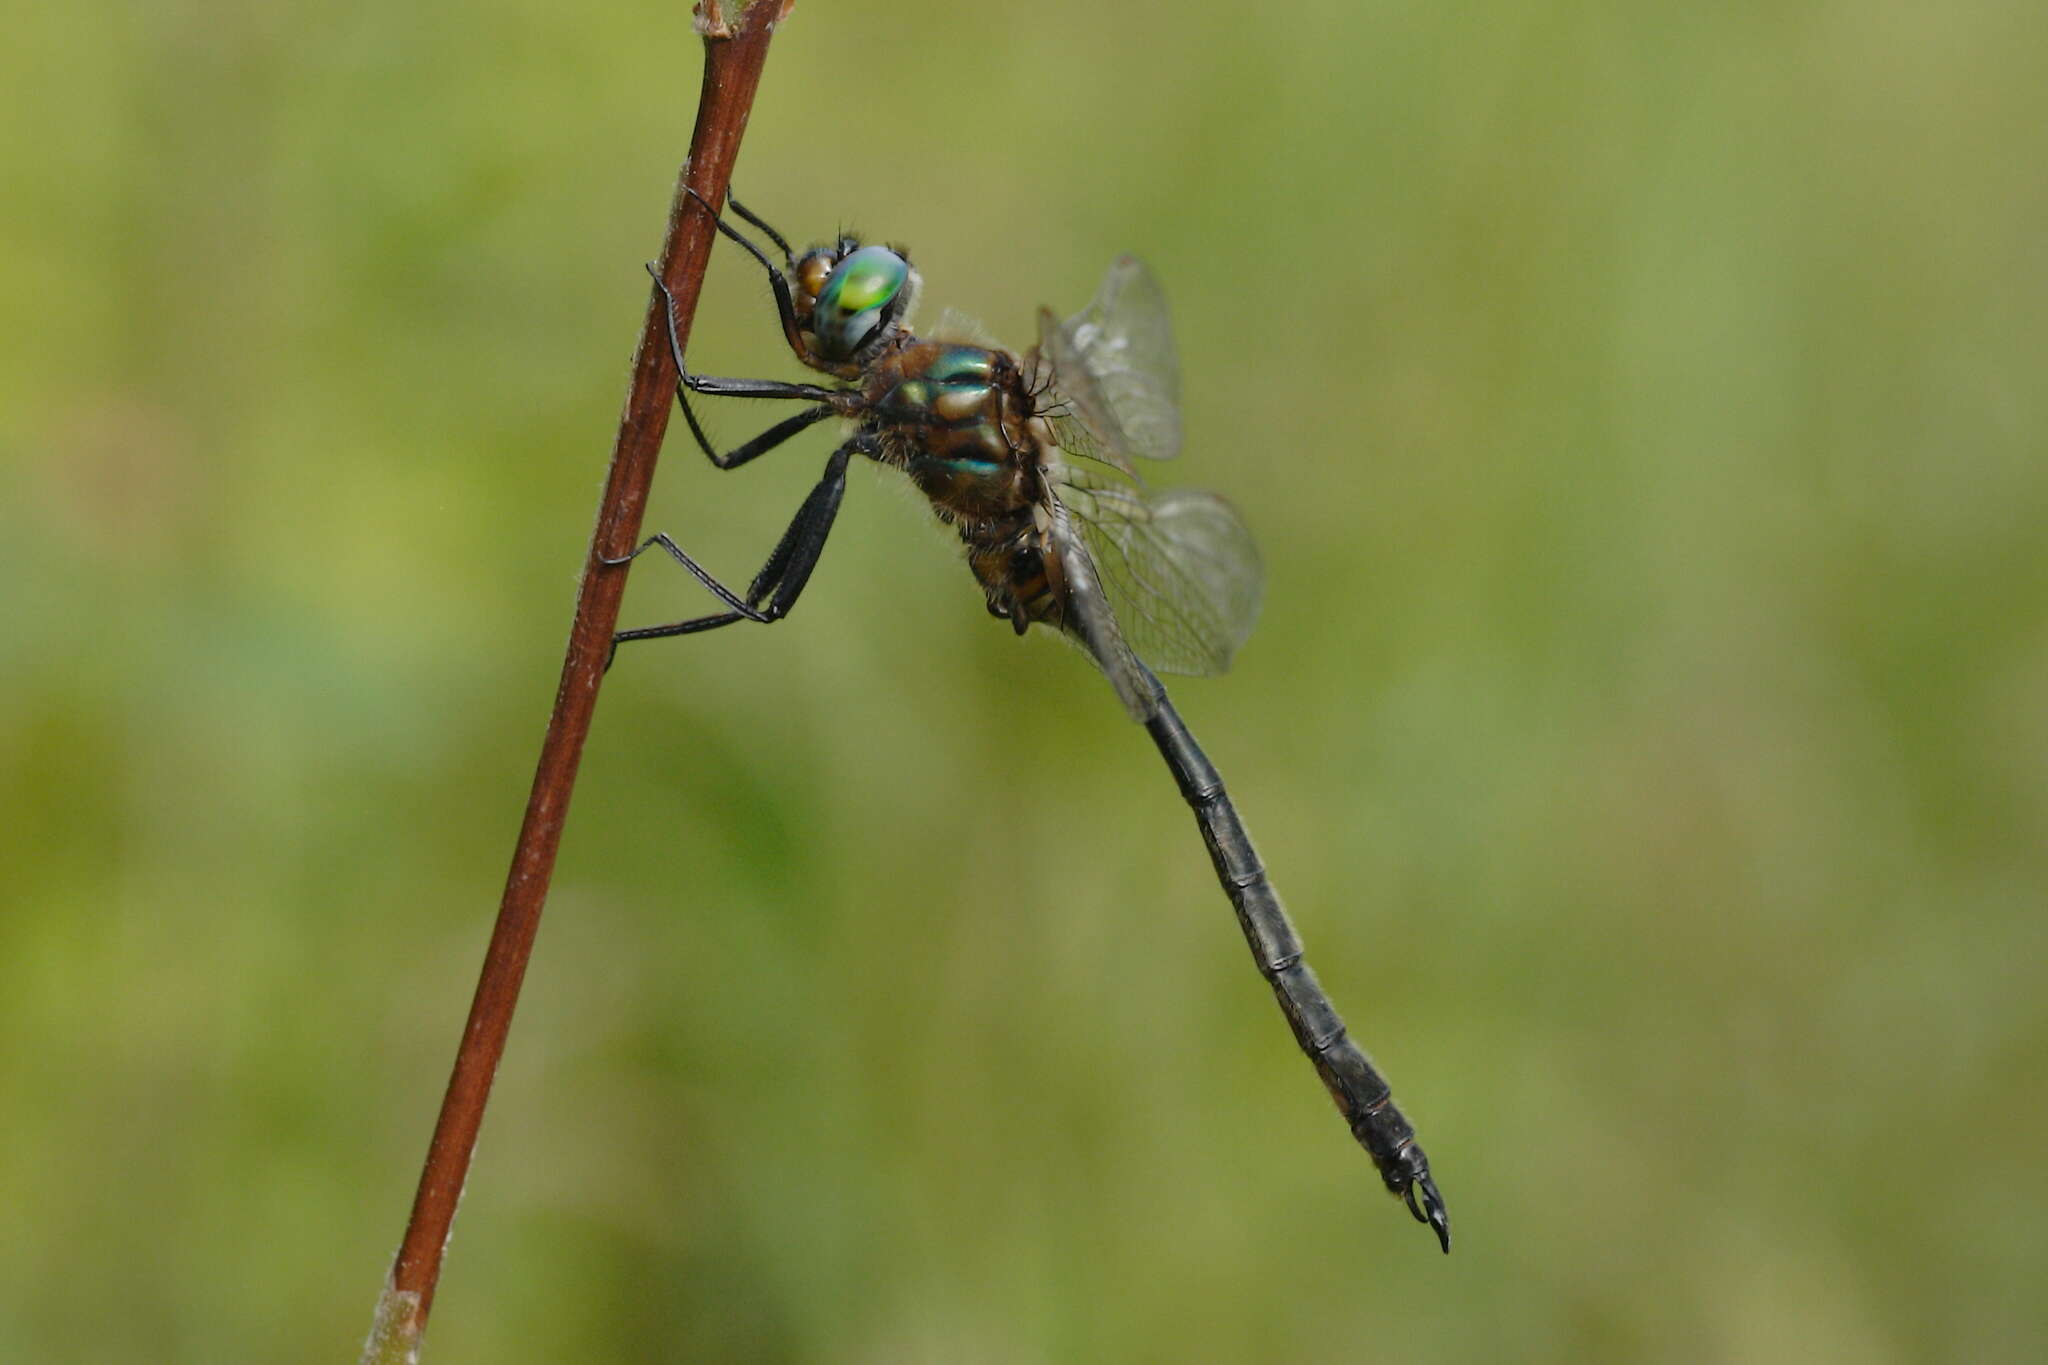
(1031, 458)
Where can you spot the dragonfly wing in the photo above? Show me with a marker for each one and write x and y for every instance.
(1092, 622)
(954, 325)
(1114, 370)
(1178, 568)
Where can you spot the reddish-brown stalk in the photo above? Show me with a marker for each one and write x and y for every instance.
(734, 51)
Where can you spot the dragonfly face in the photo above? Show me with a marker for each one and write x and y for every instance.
(848, 300)
(1031, 459)
(861, 304)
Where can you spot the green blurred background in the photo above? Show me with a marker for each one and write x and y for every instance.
(1641, 409)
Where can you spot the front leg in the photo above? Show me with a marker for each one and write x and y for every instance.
(778, 281)
(687, 382)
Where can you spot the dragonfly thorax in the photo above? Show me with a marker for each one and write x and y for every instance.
(1028, 456)
(958, 420)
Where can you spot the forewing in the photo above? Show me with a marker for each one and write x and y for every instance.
(1115, 372)
(1179, 569)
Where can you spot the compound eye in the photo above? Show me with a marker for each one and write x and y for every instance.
(811, 273)
(855, 297)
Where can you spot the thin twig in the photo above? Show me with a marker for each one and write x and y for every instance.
(734, 51)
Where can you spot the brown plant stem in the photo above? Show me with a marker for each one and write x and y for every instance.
(734, 51)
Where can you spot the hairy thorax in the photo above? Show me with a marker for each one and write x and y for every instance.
(961, 422)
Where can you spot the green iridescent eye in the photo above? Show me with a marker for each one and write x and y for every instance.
(850, 305)
(867, 279)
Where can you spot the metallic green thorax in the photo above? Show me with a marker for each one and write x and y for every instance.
(951, 421)
(851, 304)
(952, 397)
(958, 366)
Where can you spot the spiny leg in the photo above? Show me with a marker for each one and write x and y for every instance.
(735, 388)
(732, 202)
(726, 388)
(781, 581)
(728, 230)
(759, 445)
(777, 281)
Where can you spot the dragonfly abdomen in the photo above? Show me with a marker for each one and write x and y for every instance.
(1362, 1095)
(1013, 561)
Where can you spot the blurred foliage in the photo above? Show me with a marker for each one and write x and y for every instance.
(1641, 408)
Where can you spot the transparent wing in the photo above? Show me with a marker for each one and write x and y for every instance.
(1091, 622)
(954, 325)
(1178, 569)
(1114, 372)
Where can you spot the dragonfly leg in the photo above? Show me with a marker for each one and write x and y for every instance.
(727, 388)
(781, 581)
(735, 388)
(777, 280)
(732, 202)
(759, 445)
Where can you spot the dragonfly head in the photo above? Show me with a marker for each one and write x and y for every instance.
(851, 298)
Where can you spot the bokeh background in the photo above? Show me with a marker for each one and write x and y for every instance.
(1641, 408)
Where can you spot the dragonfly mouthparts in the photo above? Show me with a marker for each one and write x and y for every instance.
(1431, 1210)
